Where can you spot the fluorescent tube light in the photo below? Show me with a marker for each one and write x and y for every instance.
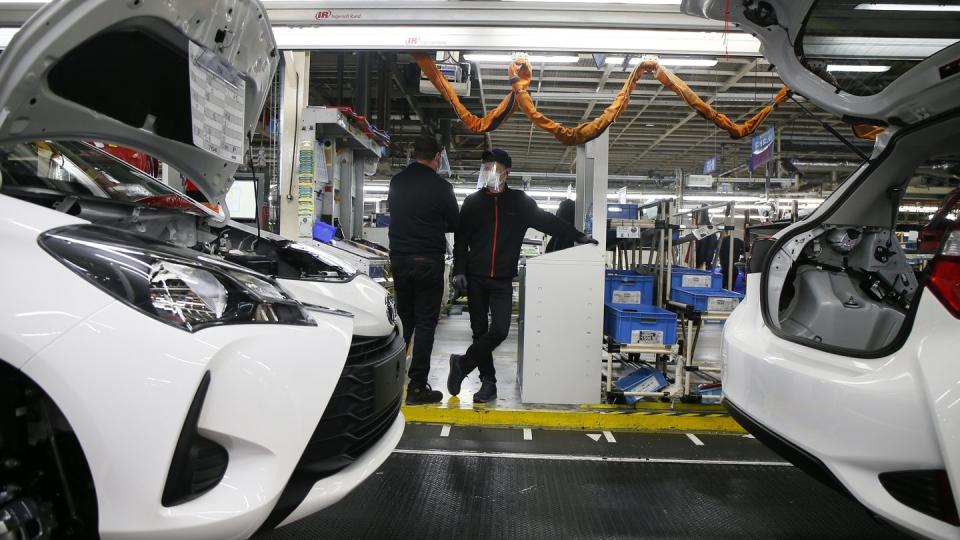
(499, 38)
(376, 189)
(689, 62)
(854, 68)
(647, 2)
(534, 59)
(6, 34)
(908, 7)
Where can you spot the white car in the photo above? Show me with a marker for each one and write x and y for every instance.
(842, 357)
(153, 384)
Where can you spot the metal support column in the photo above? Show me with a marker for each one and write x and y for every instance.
(347, 172)
(591, 205)
(357, 198)
(295, 90)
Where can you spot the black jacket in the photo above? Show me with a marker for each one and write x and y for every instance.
(492, 226)
(422, 209)
(566, 213)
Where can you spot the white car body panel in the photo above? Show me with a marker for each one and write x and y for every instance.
(913, 97)
(361, 296)
(123, 380)
(128, 421)
(59, 307)
(30, 110)
(858, 416)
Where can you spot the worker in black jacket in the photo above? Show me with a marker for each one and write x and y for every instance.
(493, 222)
(423, 209)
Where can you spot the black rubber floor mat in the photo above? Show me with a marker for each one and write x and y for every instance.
(442, 496)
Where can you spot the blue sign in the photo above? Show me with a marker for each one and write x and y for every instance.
(710, 165)
(762, 146)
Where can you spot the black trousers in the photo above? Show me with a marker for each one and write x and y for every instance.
(490, 301)
(418, 282)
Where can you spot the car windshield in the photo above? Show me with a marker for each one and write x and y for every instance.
(82, 170)
(861, 47)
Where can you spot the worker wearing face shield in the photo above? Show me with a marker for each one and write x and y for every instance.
(493, 222)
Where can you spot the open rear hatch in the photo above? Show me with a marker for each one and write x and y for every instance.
(882, 63)
(183, 81)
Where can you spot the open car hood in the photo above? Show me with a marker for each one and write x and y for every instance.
(182, 80)
(926, 84)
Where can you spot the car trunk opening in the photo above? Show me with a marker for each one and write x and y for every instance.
(849, 279)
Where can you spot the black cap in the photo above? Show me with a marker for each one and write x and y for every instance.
(497, 155)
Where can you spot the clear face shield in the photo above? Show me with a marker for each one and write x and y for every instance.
(444, 167)
(491, 176)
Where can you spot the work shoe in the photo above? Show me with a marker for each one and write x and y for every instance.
(457, 374)
(487, 392)
(419, 395)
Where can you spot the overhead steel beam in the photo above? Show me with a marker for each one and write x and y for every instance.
(593, 103)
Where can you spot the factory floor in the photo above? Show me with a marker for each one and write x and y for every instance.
(454, 336)
(473, 482)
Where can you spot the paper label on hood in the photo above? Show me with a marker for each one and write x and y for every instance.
(217, 96)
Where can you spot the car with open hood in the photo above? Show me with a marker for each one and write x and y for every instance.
(165, 372)
(843, 355)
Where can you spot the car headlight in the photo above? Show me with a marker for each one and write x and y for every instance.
(177, 286)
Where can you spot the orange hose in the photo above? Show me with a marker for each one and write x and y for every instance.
(521, 75)
(490, 122)
(867, 131)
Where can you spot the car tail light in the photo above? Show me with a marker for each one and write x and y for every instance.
(945, 277)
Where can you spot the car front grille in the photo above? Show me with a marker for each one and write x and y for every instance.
(361, 410)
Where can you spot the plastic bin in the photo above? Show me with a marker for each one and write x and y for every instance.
(627, 287)
(622, 211)
(712, 300)
(691, 278)
(642, 380)
(323, 232)
(647, 325)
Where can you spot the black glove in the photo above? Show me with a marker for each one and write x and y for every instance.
(459, 285)
(587, 239)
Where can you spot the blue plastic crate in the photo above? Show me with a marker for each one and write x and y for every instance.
(712, 300)
(627, 287)
(323, 232)
(648, 325)
(642, 380)
(622, 211)
(691, 278)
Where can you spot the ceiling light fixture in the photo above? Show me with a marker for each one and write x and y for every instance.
(497, 39)
(679, 62)
(534, 59)
(647, 2)
(854, 68)
(908, 7)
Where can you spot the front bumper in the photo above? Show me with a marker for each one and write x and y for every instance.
(126, 384)
(348, 442)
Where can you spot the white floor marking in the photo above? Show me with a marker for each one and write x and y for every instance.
(445, 431)
(594, 436)
(696, 440)
(527, 434)
(608, 436)
(568, 457)
(748, 436)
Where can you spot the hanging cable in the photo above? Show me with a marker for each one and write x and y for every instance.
(521, 75)
(490, 122)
